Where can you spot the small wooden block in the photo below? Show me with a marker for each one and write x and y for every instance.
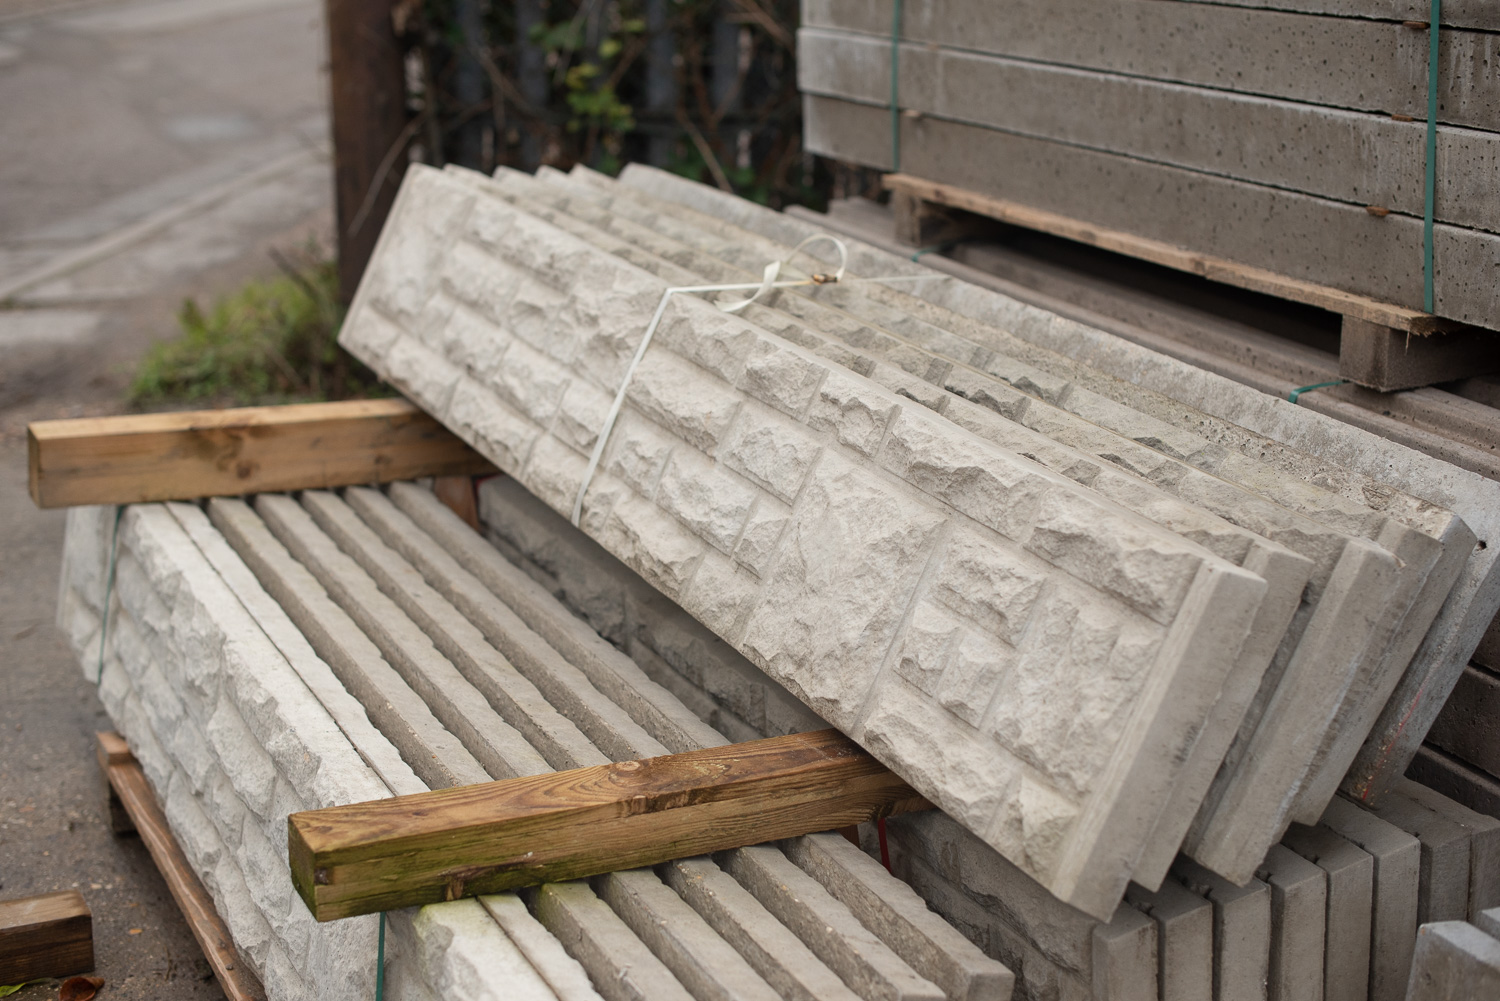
(457, 492)
(495, 836)
(47, 936)
(1386, 359)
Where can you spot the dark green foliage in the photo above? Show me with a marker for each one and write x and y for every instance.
(272, 341)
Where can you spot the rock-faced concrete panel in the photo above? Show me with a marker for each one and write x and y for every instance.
(1136, 632)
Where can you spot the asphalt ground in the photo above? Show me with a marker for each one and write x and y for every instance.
(152, 151)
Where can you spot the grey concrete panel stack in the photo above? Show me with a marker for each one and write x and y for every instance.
(1181, 113)
(941, 367)
(754, 464)
(661, 243)
(1299, 446)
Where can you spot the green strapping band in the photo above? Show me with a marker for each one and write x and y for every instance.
(1431, 172)
(1292, 396)
(896, 86)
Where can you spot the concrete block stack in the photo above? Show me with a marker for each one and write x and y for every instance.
(1181, 122)
(1461, 757)
(267, 658)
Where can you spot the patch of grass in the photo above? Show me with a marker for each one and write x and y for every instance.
(273, 341)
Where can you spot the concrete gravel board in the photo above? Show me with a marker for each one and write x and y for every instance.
(1304, 446)
(1454, 960)
(1305, 237)
(1299, 902)
(668, 538)
(1125, 957)
(1467, 726)
(1242, 930)
(1185, 939)
(1484, 843)
(1489, 922)
(1397, 860)
(1358, 158)
(562, 972)
(1149, 873)
(1351, 891)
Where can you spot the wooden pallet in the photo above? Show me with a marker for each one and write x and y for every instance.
(130, 796)
(1382, 346)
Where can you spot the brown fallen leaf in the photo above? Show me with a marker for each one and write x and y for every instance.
(79, 988)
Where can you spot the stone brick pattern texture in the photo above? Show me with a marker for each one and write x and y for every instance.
(1033, 658)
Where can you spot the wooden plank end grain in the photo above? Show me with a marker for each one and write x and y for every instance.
(51, 935)
(213, 453)
(129, 783)
(471, 840)
(1412, 321)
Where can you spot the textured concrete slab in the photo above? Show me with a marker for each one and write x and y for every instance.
(1185, 939)
(1454, 960)
(1299, 901)
(1350, 872)
(1303, 446)
(889, 526)
(1396, 856)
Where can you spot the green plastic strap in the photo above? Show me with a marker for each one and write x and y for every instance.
(896, 85)
(380, 962)
(1431, 172)
(1292, 396)
(109, 587)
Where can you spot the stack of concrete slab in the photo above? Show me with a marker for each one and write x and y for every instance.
(269, 657)
(1096, 623)
(1292, 140)
(1332, 911)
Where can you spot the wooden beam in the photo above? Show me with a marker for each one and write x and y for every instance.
(129, 782)
(470, 840)
(51, 935)
(369, 125)
(209, 453)
(1217, 269)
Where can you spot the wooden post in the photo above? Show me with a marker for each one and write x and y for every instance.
(367, 80)
(1387, 359)
(471, 840)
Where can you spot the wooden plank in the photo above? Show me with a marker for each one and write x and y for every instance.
(208, 453)
(367, 87)
(478, 839)
(51, 935)
(1362, 159)
(129, 782)
(1157, 252)
(1338, 62)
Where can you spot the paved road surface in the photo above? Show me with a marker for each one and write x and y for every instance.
(153, 150)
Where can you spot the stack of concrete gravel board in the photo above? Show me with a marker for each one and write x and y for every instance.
(537, 200)
(347, 649)
(1300, 448)
(1066, 779)
(1181, 122)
